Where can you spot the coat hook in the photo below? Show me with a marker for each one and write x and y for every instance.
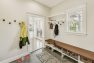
(3, 19)
(62, 22)
(9, 22)
(14, 20)
(19, 23)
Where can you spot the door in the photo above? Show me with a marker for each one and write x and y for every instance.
(36, 31)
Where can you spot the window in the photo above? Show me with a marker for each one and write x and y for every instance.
(36, 25)
(76, 21)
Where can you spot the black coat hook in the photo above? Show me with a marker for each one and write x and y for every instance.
(3, 19)
(19, 23)
(9, 22)
(62, 22)
(14, 20)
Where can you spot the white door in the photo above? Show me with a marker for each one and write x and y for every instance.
(36, 31)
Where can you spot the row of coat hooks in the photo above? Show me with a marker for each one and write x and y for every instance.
(59, 19)
(10, 22)
(54, 21)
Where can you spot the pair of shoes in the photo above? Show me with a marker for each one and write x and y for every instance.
(19, 60)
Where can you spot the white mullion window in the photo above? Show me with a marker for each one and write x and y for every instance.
(76, 21)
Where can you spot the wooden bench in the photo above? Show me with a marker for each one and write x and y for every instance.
(80, 54)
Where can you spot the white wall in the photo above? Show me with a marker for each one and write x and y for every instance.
(16, 9)
(9, 33)
(82, 41)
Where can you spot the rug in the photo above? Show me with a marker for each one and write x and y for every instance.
(46, 57)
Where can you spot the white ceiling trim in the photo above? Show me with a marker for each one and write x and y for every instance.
(50, 3)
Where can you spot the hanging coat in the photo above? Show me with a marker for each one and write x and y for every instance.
(23, 35)
(56, 30)
(51, 26)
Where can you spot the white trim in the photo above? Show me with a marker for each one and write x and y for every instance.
(35, 15)
(14, 58)
(84, 22)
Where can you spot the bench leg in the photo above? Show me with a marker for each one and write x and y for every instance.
(62, 56)
(52, 49)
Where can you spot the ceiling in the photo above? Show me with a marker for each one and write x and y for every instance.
(50, 3)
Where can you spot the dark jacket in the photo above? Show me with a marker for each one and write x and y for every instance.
(56, 30)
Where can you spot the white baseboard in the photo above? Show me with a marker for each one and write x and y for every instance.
(14, 58)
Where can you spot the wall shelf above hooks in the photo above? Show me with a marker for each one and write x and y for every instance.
(57, 22)
(59, 19)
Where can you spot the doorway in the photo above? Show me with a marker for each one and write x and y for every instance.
(36, 31)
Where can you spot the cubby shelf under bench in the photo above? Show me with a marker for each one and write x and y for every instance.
(78, 54)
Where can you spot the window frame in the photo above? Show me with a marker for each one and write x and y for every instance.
(83, 24)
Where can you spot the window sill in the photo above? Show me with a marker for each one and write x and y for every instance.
(77, 33)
